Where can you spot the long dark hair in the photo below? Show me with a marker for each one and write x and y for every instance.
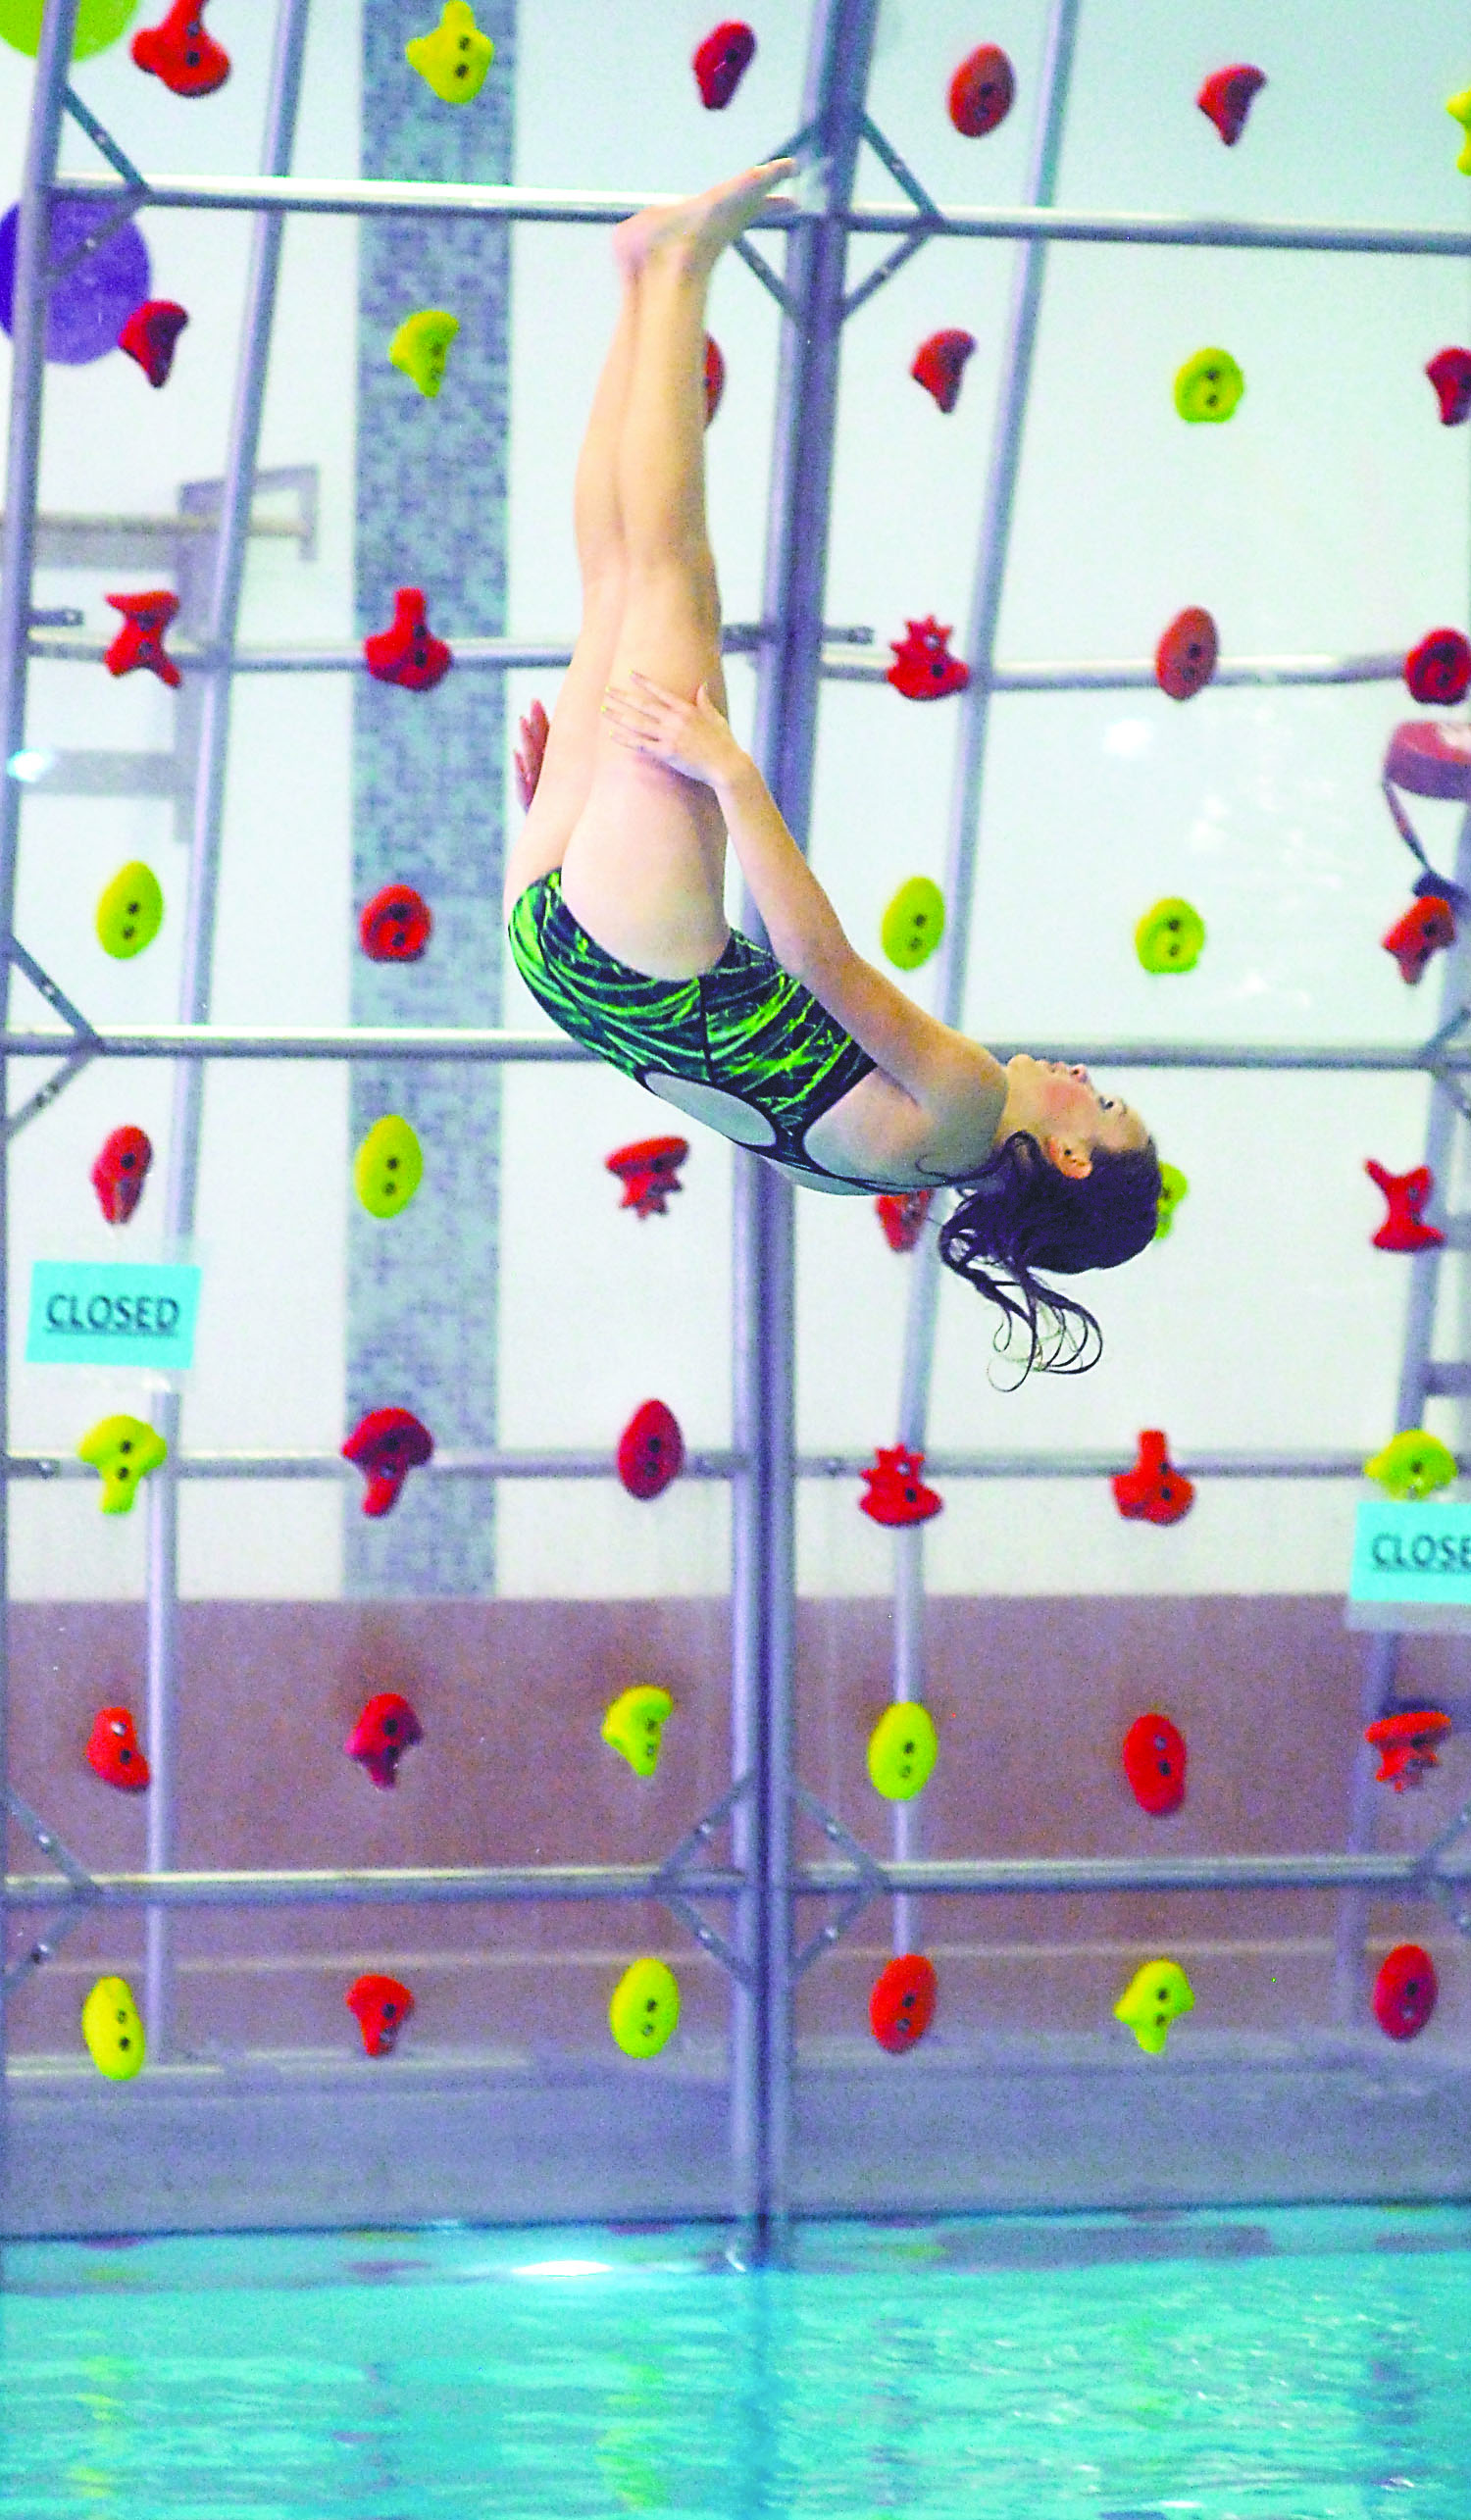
(1019, 1213)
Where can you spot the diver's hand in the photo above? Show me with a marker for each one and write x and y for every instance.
(688, 736)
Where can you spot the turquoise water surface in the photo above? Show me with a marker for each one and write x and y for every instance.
(1295, 2364)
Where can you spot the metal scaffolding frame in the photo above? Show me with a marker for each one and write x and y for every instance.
(793, 652)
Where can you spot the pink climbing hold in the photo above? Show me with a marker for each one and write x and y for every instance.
(982, 92)
(386, 1444)
(408, 653)
(1404, 1227)
(1450, 372)
(141, 640)
(1226, 98)
(150, 335)
(722, 61)
(939, 364)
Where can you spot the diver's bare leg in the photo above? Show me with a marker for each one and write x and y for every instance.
(644, 870)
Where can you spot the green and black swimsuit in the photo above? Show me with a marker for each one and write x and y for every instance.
(743, 1048)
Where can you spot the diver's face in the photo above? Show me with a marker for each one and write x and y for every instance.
(1058, 1103)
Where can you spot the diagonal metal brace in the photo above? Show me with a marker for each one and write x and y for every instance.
(101, 138)
(1455, 1896)
(678, 1876)
(929, 223)
(86, 1042)
(870, 1883)
(84, 1891)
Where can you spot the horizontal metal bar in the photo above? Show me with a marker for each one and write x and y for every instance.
(367, 198)
(409, 1889)
(1451, 1380)
(474, 655)
(1101, 1875)
(844, 660)
(1105, 1874)
(1096, 1465)
(713, 1465)
(1239, 673)
(357, 1042)
(50, 1467)
(377, 1041)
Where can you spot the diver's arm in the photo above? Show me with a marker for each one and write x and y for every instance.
(941, 1070)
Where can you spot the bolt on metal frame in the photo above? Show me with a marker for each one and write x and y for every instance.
(793, 652)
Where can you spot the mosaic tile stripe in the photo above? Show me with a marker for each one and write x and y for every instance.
(428, 771)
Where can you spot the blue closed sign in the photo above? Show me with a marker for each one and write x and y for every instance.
(112, 1313)
(1417, 1552)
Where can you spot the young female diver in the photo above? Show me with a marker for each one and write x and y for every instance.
(615, 891)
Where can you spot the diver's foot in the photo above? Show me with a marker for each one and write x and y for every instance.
(704, 223)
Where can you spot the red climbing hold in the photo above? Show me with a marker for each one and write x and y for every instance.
(650, 1450)
(939, 364)
(902, 1214)
(1427, 926)
(1153, 1490)
(1406, 1991)
(409, 653)
(1404, 1227)
(385, 1729)
(395, 924)
(120, 1172)
(896, 1495)
(381, 2006)
(1404, 1745)
(181, 54)
(715, 377)
(982, 92)
(1450, 372)
(1226, 98)
(149, 336)
(1186, 658)
(141, 640)
(902, 2007)
(721, 62)
(1154, 1764)
(113, 1751)
(1439, 669)
(649, 1173)
(386, 1444)
(923, 667)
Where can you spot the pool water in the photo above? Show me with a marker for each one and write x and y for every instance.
(1297, 2364)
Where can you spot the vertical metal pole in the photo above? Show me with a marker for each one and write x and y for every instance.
(1382, 1659)
(17, 566)
(763, 1505)
(183, 1178)
(964, 840)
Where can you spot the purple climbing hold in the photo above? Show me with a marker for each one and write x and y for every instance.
(88, 309)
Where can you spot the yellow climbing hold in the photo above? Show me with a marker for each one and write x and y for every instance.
(1170, 937)
(421, 346)
(1208, 387)
(913, 923)
(1415, 1464)
(455, 58)
(901, 1752)
(1173, 1187)
(99, 22)
(644, 2013)
(635, 1723)
(125, 1449)
(1459, 110)
(113, 2031)
(388, 1166)
(130, 912)
(1155, 1995)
